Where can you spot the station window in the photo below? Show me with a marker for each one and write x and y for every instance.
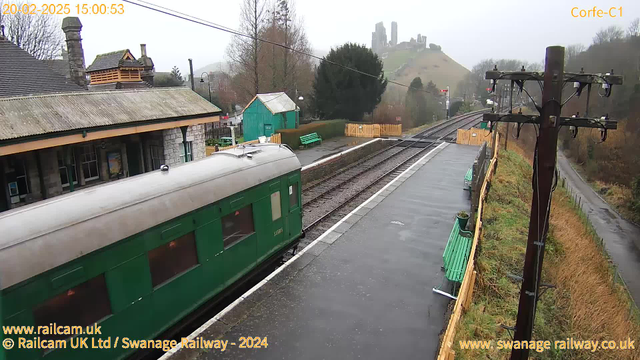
(64, 172)
(173, 258)
(89, 162)
(82, 306)
(237, 226)
(276, 210)
(17, 179)
(189, 152)
(293, 195)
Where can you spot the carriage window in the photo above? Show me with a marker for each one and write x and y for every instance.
(293, 195)
(82, 306)
(276, 211)
(173, 258)
(237, 225)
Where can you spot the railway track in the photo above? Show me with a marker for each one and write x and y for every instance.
(324, 203)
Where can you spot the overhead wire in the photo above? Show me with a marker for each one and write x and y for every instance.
(193, 19)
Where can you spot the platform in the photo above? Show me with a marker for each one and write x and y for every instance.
(363, 289)
(328, 147)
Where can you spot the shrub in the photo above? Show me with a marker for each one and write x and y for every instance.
(326, 129)
(635, 190)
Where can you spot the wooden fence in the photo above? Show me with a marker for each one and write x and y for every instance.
(473, 136)
(372, 130)
(275, 139)
(465, 293)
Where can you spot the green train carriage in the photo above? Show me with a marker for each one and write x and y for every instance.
(137, 255)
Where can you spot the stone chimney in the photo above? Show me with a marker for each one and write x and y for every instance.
(72, 27)
(148, 71)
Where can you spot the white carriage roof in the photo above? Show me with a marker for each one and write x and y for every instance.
(277, 102)
(39, 237)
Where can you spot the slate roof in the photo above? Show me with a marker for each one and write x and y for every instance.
(21, 74)
(112, 60)
(45, 114)
(277, 102)
(60, 66)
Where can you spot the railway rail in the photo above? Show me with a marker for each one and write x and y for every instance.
(310, 192)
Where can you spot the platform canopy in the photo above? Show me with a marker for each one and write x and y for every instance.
(59, 113)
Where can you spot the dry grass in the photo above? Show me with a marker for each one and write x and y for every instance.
(599, 307)
(429, 65)
(588, 304)
(618, 196)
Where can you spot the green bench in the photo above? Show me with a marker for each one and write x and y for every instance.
(310, 139)
(456, 253)
(455, 258)
(468, 178)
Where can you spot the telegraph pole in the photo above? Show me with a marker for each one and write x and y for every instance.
(544, 163)
(544, 169)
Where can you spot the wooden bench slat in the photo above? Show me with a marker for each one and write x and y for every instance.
(456, 253)
(310, 138)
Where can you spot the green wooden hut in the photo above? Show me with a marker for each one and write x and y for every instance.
(267, 113)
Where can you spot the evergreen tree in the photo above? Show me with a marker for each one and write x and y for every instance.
(416, 104)
(176, 76)
(346, 94)
(434, 108)
(168, 80)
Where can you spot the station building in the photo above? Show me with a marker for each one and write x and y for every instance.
(59, 134)
(267, 113)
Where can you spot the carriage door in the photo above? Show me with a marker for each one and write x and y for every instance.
(277, 224)
(294, 218)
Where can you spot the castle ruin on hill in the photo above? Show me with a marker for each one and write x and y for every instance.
(380, 45)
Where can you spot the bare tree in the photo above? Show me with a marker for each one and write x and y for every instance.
(610, 34)
(279, 68)
(39, 35)
(287, 29)
(571, 53)
(243, 52)
(634, 28)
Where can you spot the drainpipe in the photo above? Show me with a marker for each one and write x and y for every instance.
(184, 141)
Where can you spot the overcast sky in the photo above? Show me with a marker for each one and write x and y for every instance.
(468, 31)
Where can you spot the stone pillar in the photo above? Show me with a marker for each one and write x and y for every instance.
(197, 137)
(50, 172)
(72, 27)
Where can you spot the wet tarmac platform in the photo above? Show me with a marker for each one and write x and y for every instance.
(363, 289)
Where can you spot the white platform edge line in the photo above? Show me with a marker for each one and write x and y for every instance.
(219, 315)
(321, 161)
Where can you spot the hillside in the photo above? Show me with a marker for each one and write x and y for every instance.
(216, 66)
(430, 65)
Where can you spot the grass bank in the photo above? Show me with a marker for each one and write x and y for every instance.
(588, 303)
